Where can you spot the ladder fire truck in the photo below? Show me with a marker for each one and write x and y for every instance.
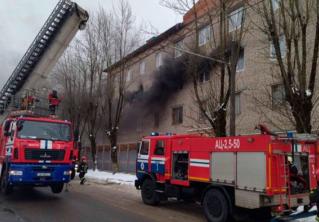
(35, 151)
(263, 172)
(31, 76)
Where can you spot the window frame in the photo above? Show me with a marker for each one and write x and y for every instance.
(129, 75)
(204, 77)
(178, 45)
(275, 102)
(158, 60)
(275, 3)
(235, 12)
(157, 147)
(203, 32)
(272, 56)
(142, 67)
(180, 118)
(242, 52)
(142, 146)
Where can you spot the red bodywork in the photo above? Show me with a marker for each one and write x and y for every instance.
(201, 150)
(20, 145)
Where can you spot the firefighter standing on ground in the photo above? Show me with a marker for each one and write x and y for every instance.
(83, 168)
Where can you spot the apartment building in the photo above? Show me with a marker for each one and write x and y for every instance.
(259, 92)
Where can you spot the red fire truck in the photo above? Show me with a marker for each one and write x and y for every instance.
(35, 151)
(264, 172)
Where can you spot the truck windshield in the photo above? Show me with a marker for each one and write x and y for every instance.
(43, 130)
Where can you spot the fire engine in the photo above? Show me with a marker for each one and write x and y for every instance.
(264, 172)
(35, 151)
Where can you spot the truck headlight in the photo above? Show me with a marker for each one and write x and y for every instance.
(67, 173)
(16, 172)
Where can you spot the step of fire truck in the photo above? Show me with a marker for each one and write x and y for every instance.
(302, 215)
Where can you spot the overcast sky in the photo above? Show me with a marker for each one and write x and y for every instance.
(21, 20)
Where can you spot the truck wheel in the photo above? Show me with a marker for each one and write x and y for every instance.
(149, 196)
(57, 188)
(6, 188)
(215, 205)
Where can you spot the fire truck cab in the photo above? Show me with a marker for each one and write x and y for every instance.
(224, 174)
(35, 151)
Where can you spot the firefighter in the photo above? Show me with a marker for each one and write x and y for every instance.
(54, 101)
(83, 168)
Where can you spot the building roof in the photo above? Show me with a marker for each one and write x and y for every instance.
(149, 44)
(202, 7)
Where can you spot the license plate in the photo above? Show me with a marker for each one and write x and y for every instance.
(43, 174)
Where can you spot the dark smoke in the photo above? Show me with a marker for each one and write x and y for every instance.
(168, 79)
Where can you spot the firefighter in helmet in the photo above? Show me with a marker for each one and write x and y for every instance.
(54, 101)
(83, 168)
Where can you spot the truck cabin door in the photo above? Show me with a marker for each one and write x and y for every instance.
(142, 163)
(158, 157)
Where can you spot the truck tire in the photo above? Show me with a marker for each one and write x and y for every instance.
(149, 195)
(57, 188)
(215, 206)
(6, 188)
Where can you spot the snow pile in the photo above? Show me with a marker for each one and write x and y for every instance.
(307, 219)
(108, 177)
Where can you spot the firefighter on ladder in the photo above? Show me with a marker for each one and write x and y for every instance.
(54, 101)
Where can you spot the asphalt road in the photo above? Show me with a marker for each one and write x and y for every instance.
(91, 202)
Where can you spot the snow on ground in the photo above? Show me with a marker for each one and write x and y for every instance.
(108, 177)
(308, 219)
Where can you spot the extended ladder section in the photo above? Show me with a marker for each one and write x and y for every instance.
(54, 37)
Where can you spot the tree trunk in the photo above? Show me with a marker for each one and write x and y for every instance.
(301, 110)
(114, 152)
(93, 151)
(220, 126)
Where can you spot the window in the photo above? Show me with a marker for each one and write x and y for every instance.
(204, 35)
(237, 104)
(275, 4)
(144, 147)
(177, 115)
(282, 45)
(241, 61)
(178, 45)
(278, 95)
(235, 19)
(129, 76)
(204, 76)
(160, 147)
(159, 60)
(43, 130)
(142, 68)
(156, 119)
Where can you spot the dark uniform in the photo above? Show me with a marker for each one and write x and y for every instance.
(83, 169)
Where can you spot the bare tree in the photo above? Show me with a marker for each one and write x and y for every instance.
(125, 38)
(73, 84)
(221, 58)
(292, 28)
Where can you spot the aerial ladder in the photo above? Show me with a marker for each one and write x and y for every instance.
(33, 70)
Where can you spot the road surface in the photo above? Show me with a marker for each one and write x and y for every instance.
(91, 203)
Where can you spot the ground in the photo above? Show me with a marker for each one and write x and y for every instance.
(91, 202)
(105, 197)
